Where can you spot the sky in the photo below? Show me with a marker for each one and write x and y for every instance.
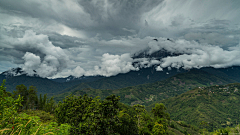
(58, 38)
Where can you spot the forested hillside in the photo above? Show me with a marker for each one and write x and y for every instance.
(197, 111)
(132, 78)
(56, 86)
(206, 107)
(44, 85)
(147, 94)
(23, 113)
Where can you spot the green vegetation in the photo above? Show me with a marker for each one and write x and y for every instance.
(14, 122)
(44, 85)
(132, 78)
(223, 131)
(203, 110)
(211, 107)
(50, 87)
(147, 94)
(80, 115)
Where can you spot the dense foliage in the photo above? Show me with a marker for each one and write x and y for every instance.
(14, 122)
(77, 115)
(207, 107)
(31, 100)
(88, 115)
(23, 112)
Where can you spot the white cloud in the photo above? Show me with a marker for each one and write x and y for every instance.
(196, 55)
(113, 65)
(44, 57)
(32, 62)
(158, 68)
(110, 65)
(97, 37)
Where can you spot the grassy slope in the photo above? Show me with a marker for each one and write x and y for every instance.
(218, 106)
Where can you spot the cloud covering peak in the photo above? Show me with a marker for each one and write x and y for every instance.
(98, 37)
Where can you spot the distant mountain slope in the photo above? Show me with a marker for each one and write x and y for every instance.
(162, 53)
(2, 77)
(207, 107)
(132, 78)
(43, 85)
(16, 77)
(149, 93)
(230, 72)
(150, 75)
(82, 79)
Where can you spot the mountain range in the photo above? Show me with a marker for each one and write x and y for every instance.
(149, 93)
(146, 75)
(201, 97)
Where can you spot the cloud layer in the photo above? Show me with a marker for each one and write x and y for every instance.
(98, 37)
(193, 55)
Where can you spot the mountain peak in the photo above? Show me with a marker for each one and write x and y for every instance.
(17, 72)
(14, 72)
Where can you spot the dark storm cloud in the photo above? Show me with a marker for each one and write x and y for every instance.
(79, 37)
(91, 16)
(64, 41)
(114, 15)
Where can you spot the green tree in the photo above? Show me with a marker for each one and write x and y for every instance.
(139, 109)
(128, 120)
(128, 123)
(8, 108)
(158, 129)
(50, 105)
(160, 111)
(42, 102)
(23, 92)
(89, 116)
(29, 96)
(32, 97)
(161, 119)
(109, 121)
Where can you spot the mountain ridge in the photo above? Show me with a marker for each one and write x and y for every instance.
(217, 106)
(151, 92)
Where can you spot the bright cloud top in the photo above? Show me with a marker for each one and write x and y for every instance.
(43, 57)
(195, 55)
(61, 38)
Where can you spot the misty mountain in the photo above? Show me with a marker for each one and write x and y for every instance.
(145, 75)
(149, 93)
(59, 85)
(16, 77)
(73, 78)
(230, 72)
(13, 72)
(132, 78)
(158, 55)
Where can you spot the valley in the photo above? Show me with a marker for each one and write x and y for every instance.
(198, 100)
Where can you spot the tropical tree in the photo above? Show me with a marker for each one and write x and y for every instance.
(8, 108)
(89, 116)
(29, 96)
(161, 119)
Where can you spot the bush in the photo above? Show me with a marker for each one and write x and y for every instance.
(22, 124)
